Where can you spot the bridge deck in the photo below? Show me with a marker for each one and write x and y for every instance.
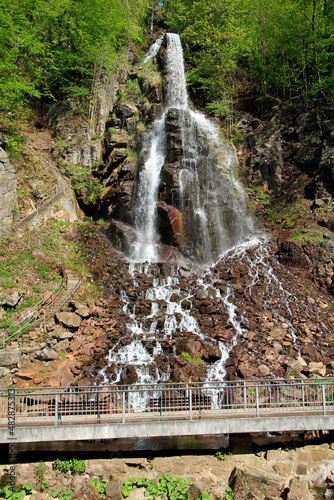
(180, 409)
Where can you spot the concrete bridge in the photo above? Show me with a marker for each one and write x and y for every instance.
(139, 411)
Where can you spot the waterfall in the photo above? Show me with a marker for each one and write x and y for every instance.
(185, 173)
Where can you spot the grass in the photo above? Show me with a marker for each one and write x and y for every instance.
(190, 359)
(34, 264)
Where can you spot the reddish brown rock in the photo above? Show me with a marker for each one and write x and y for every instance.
(247, 371)
(62, 376)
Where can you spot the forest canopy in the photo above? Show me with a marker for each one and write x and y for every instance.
(285, 47)
(53, 49)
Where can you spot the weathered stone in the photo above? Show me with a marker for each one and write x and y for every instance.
(114, 490)
(62, 377)
(263, 370)
(49, 355)
(10, 298)
(194, 492)
(316, 367)
(295, 366)
(291, 253)
(82, 310)
(137, 494)
(9, 357)
(266, 155)
(28, 373)
(125, 109)
(8, 191)
(299, 489)
(247, 486)
(71, 320)
(61, 333)
(247, 371)
(86, 492)
(4, 371)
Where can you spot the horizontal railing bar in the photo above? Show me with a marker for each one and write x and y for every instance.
(270, 384)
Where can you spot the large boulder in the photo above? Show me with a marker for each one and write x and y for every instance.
(69, 319)
(9, 357)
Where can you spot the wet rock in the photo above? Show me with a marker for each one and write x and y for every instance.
(202, 294)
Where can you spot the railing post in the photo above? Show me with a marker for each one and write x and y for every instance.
(190, 404)
(160, 405)
(56, 410)
(98, 407)
(123, 405)
(323, 397)
(245, 397)
(257, 401)
(303, 393)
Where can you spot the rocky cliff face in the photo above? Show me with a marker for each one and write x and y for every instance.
(288, 160)
(8, 189)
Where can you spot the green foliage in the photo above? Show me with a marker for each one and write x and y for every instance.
(73, 465)
(40, 471)
(55, 493)
(220, 455)
(187, 357)
(205, 496)
(19, 491)
(229, 493)
(166, 487)
(56, 48)
(99, 485)
(284, 47)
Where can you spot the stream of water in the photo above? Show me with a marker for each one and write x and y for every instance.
(165, 303)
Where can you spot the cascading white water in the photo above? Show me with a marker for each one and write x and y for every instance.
(210, 200)
(168, 301)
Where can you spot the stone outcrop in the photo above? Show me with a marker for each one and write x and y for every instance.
(266, 157)
(302, 140)
(8, 191)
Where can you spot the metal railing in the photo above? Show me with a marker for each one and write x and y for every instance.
(43, 309)
(54, 406)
